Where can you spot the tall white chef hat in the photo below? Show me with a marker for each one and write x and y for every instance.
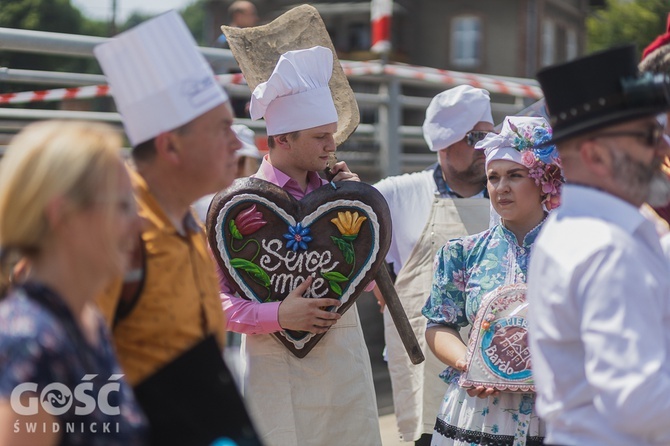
(158, 77)
(453, 113)
(296, 96)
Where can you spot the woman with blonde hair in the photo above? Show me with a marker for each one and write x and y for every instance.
(66, 207)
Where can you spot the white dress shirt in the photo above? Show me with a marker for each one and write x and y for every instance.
(599, 293)
(410, 198)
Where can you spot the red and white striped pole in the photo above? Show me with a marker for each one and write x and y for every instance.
(380, 15)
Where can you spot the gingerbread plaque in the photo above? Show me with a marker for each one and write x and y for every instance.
(498, 356)
(266, 243)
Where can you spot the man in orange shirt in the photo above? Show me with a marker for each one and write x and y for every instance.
(178, 121)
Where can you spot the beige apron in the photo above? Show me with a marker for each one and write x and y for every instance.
(417, 389)
(326, 398)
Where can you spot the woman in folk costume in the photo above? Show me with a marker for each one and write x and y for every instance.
(524, 184)
(326, 397)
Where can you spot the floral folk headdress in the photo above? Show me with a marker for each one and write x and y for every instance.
(517, 142)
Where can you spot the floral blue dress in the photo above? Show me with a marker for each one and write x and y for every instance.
(466, 269)
(43, 350)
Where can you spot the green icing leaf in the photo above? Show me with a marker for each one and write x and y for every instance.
(334, 276)
(234, 231)
(345, 247)
(336, 288)
(253, 270)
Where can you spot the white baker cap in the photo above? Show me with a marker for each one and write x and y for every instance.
(247, 138)
(158, 77)
(453, 113)
(296, 96)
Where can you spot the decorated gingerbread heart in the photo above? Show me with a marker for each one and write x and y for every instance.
(498, 356)
(267, 243)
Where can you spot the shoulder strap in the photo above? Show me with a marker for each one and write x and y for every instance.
(133, 283)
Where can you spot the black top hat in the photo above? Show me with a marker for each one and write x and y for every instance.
(599, 90)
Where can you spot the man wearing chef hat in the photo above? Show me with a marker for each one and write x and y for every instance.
(328, 396)
(178, 121)
(444, 201)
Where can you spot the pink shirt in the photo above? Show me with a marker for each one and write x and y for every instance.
(250, 317)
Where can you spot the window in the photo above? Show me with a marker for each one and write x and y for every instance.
(466, 41)
(571, 46)
(358, 37)
(548, 43)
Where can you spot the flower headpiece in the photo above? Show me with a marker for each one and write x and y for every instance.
(517, 142)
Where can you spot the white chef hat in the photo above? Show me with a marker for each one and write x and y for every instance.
(158, 77)
(247, 138)
(453, 113)
(296, 96)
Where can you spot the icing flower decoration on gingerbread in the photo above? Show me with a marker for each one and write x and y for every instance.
(518, 141)
(349, 224)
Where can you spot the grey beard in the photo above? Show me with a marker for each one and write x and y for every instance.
(659, 190)
(637, 177)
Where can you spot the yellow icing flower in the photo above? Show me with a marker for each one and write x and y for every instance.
(348, 224)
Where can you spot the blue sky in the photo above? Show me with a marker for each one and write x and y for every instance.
(101, 9)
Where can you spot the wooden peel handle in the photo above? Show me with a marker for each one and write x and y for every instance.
(399, 316)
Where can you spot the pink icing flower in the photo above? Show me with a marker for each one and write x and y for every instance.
(249, 221)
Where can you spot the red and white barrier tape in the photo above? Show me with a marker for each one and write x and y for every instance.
(434, 75)
(351, 69)
(88, 92)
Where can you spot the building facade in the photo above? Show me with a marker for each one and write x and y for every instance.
(501, 37)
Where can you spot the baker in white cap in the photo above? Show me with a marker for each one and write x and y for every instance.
(327, 397)
(248, 157)
(178, 121)
(446, 200)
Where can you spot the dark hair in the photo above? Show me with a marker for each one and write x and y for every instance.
(144, 151)
(292, 135)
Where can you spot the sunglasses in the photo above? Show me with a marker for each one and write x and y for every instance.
(652, 137)
(473, 137)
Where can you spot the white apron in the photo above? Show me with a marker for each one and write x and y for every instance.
(417, 389)
(326, 398)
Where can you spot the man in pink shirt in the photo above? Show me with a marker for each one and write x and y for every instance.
(328, 396)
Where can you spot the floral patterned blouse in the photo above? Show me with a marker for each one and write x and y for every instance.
(40, 344)
(468, 268)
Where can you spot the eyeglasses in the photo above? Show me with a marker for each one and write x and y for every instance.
(473, 137)
(652, 136)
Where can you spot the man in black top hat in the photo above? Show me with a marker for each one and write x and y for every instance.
(598, 281)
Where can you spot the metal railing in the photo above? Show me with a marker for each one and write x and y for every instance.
(389, 140)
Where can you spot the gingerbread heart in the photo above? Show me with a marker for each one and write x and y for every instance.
(498, 356)
(266, 243)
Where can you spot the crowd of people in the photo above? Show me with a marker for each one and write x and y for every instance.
(112, 299)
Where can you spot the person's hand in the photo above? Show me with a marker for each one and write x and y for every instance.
(342, 173)
(480, 391)
(302, 314)
(380, 298)
(461, 365)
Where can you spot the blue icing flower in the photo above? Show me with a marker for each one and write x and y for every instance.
(297, 237)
